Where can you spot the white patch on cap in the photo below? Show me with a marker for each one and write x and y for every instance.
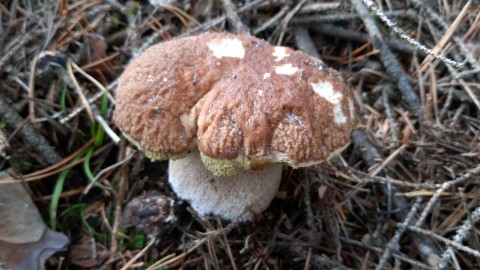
(226, 48)
(351, 108)
(279, 53)
(325, 90)
(266, 75)
(286, 69)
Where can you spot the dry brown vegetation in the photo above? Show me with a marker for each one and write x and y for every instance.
(405, 194)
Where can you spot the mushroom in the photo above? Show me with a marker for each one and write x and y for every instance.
(228, 111)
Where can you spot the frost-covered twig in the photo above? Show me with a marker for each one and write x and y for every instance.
(465, 86)
(393, 243)
(399, 31)
(438, 193)
(462, 232)
(390, 61)
(434, 16)
(448, 242)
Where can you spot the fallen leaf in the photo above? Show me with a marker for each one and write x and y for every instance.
(32, 256)
(25, 241)
(17, 208)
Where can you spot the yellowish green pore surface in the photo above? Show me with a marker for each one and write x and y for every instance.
(220, 167)
(226, 167)
(216, 166)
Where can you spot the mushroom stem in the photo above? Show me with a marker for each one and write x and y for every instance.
(235, 197)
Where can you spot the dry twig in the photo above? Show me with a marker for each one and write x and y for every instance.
(233, 17)
(390, 62)
(33, 138)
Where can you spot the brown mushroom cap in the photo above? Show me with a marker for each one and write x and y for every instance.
(244, 102)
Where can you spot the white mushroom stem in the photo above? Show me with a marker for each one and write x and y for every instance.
(235, 197)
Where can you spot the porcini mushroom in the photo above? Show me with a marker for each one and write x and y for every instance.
(248, 106)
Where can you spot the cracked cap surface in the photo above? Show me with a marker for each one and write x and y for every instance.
(244, 102)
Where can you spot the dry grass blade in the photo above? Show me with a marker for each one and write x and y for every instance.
(79, 90)
(52, 170)
(102, 172)
(91, 79)
(139, 254)
(388, 160)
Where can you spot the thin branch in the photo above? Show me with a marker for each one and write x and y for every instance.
(345, 33)
(33, 138)
(317, 7)
(371, 156)
(380, 250)
(390, 62)
(444, 40)
(272, 21)
(447, 241)
(465, 86)
(371, 5)
(80, 108)
(430, 14)
(394, 242)
(198, 29)
(348, 17)
(234, 19)
(286, 20)
(106, 127)
(462, 233)
(304, 41)
(439, 192)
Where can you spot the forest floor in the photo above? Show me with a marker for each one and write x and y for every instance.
(405, 194)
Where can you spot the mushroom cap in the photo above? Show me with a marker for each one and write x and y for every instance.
(244, 102)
